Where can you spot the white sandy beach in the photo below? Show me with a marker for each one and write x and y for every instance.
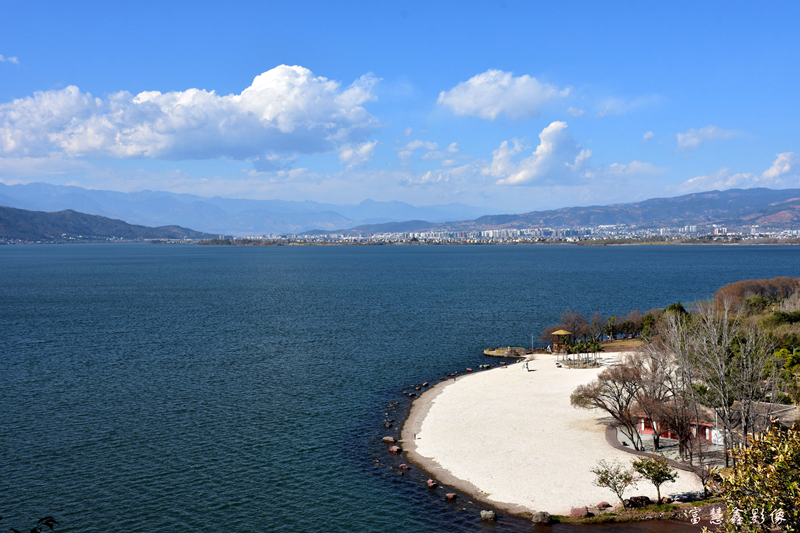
(511, 438)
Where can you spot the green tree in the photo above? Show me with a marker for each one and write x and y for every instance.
(765, 483)
(677, 307)
(615, 477)
(656, 470)
(648, 322)
(610, 329)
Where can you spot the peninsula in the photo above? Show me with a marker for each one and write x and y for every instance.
(509, 437)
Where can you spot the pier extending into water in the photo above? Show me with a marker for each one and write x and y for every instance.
(507, 351)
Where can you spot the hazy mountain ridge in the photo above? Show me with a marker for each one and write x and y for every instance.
(733, 207)
(69, 225)
(223, 215)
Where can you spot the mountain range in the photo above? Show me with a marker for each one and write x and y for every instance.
(71, 226)
(224, 215)
(733, 207)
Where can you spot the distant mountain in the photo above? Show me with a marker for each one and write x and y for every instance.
(734, 207)
(69, 225)
(224, 215)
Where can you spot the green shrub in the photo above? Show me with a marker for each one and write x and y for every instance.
(765, 484)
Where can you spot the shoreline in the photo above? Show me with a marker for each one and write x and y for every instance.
(412, 425)
(510, 439)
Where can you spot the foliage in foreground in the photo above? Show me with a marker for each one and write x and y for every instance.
(48, 521)
(764, 486)
(656, 470)
(613, 476)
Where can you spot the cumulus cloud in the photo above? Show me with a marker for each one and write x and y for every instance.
(784, 173)
(406, 153)
(786, 165)
(575, 112)
(693, 138)
(494, 92)
(357, 155)
(4, 59)
(453, 148)
(451, 177)
(648, 135)
(285, 111)
(557, 160)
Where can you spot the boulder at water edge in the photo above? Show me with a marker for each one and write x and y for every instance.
(637, 502)
(488, 515)
(542, 517)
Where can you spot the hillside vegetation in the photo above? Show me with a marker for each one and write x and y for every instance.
(66, 226)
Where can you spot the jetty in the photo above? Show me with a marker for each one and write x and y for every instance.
(508, 351)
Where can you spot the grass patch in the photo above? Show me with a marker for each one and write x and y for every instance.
(653, 512)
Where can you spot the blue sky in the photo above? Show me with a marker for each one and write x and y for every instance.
(511, 105)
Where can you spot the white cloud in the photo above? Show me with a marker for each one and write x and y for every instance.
(285, 111)
(575, 112)
(648, 135)
(784, 173)
(619, 106)
(693, 138)
(436, 154)
(453, 148)
(357, 155)
(495, 92)
(4, 59)
(406, 153)
(452, 177)
(407, 132)
(54, 165)
(785, 165)
(623, 171)
(557, 160)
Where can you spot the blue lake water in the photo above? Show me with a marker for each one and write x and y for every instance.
(151, 387)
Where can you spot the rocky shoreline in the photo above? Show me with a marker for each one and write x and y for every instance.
(406, 445)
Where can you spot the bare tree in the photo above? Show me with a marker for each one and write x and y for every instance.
(614, 391)
(596, 325)
(672, 353)
(576, 324)
(714, 335)
(702, 468)
(752, 374)
(653, 394)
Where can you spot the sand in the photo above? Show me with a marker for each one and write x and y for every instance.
(509, 437)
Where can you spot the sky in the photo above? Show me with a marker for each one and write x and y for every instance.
(514, 106)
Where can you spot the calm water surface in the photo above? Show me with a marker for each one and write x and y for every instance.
(153, 388)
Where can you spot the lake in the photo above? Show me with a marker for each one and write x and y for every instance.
(154, 387)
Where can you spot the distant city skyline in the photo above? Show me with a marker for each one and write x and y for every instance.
(515, 106)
